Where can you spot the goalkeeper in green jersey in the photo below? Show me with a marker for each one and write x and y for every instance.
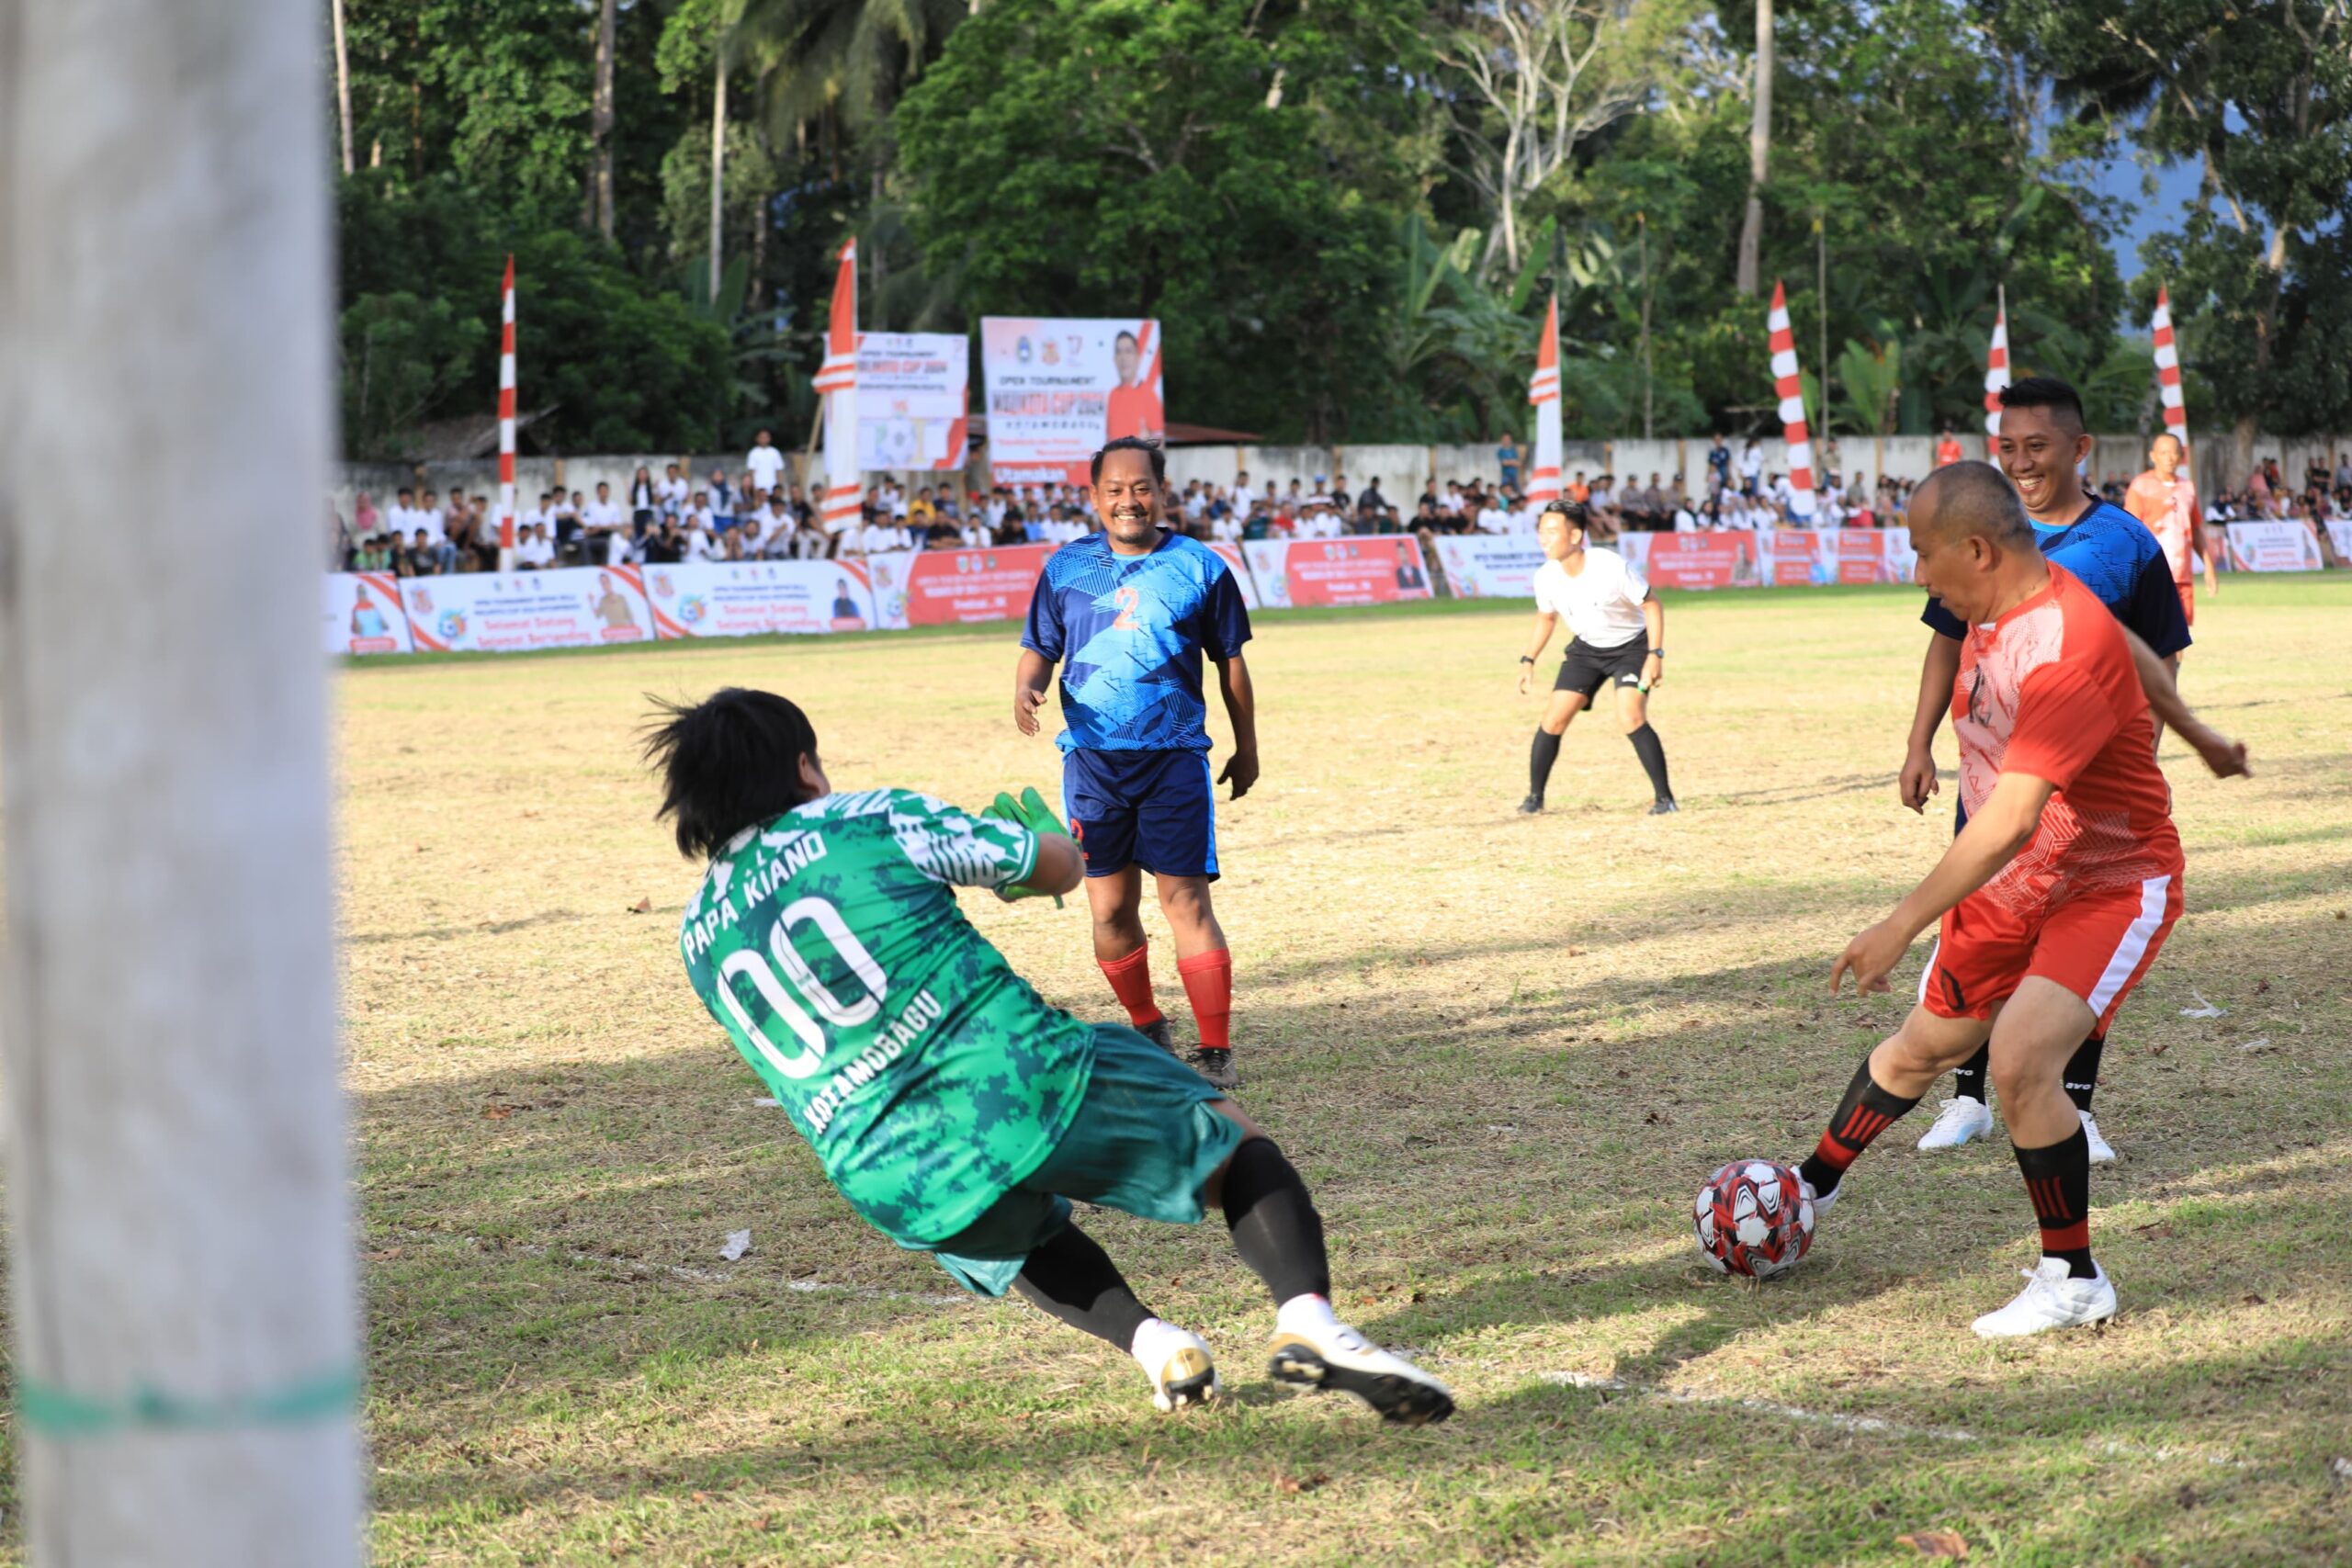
(957, 1112)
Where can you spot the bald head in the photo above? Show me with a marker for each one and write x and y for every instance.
(1970, 499)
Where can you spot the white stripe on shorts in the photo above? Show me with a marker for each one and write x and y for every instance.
(2134, 946)
(1929, 972)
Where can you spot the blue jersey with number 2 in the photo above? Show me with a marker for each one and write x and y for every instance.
(1128, 632)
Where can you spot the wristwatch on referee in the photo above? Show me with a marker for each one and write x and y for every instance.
(1527, 659)
(1657, 653)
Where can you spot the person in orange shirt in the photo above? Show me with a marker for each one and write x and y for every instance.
(1946, 448)
(1579, 491)
(1133, 410)
(2165, 500)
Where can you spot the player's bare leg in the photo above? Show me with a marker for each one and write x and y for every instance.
(2033, 1036)
(1205, 966)
(1563, 708)
(1634, 718)
(1116, 900)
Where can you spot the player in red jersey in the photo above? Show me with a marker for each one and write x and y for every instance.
(2165, 500)
(2055, 897)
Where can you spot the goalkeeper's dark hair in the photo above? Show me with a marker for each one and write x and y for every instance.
(1151, 449)
(727, 762)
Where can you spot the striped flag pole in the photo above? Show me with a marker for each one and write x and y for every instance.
(2168, 377)
(1543, 391)
(507, 421)
(1791, 388)
(837, 384)
(1996, 376)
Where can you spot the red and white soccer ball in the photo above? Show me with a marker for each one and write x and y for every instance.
(1753, 1218)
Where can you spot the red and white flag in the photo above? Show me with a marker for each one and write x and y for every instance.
(2168, 377)
(506, 418)
(1997, 378)
(837, 383)
(1543, 391)
(1790, 387)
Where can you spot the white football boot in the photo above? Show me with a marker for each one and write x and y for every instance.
(2102, 1152)
(1313, 1350)
(1960, 1120)
(1822, 1203)
(2051, 1299)
(1179, 1364)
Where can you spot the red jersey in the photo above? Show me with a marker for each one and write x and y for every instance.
(2049, 690)
(1133, 411)
(2169, 509)
(1947, 452)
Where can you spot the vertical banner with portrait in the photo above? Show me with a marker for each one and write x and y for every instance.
(1060, 388)
(914, 400)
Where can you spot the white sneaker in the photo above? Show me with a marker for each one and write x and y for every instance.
(2051, 1299)
(2102, 1152)
(1335, 1356)
(1821, 1203)
(1960, 1120)
(1177, 1362)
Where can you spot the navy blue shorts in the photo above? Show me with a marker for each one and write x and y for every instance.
(1155, 809)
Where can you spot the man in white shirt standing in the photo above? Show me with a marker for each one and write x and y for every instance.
(604, 521)
(765, 463)
(1617, 637)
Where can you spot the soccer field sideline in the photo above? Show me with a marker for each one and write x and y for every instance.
(1503, 1050)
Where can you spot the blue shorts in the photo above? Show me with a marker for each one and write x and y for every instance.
(1155, 809)
(1145, 1142)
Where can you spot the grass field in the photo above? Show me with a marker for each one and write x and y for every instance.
(1503, 1050)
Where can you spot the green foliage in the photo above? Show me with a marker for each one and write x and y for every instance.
(401, 357)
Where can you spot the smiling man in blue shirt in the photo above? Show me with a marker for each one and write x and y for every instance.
(1128, 613)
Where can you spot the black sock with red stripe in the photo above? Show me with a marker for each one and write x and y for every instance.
(1865, 1113)
(2058, 1180)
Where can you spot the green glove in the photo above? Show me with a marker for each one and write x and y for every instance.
(1031, 812)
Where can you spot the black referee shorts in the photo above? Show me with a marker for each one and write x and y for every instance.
(1586, 669)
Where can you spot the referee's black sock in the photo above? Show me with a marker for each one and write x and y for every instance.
(1540, 758)
(1652, 752)
(1968, 1079)
(1275, 1227)
(1074, 1279)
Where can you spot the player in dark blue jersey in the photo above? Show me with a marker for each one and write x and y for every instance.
(2043, 442)
(1128, 614)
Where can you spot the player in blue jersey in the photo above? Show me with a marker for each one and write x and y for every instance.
(2043, 443)
(1128, 614)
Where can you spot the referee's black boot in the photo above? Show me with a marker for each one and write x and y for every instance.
(1663, 807)
(1533, 805)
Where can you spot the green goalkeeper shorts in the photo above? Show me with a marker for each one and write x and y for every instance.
(1144, 1141)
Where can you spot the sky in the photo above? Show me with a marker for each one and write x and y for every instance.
(2144, 216)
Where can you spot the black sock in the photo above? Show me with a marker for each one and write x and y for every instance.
(1540, 758)
(1652, 752)
(1275, 1227)
(1865, 1113)
(1968, 1079)
(1074, 1279)
(2058, 1180)
(2082, 1070)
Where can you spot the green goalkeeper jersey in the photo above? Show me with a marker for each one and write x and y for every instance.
(928, 1077)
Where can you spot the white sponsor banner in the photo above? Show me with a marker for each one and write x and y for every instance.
(1490, 566)
(2340, 533)
(759, 598)
(1058, 388)
(2274, 546)
(514, 611)
(913, 400)
(361, 613)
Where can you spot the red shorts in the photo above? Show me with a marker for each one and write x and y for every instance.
(2188, 602)
(2096, 945)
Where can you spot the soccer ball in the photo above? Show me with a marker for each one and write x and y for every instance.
(1753, 1218)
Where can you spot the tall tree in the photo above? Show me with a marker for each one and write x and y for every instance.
(1747, 278)
(600, 123)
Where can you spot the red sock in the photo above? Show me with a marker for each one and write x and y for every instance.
(1130, 980)
(1208, 984)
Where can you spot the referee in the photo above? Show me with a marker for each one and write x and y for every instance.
(1617, 637)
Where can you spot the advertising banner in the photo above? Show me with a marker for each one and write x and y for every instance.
(1875, 555)
(1722, 558)
(1490, 566)
(1379, 569)
(937, 588)
(1240, 565)
(512, 611)
(1058, 389)
(1794, 557)
(756, 598)
(2339, 533)
(2274, 546)
(914, 400)
(361, 613)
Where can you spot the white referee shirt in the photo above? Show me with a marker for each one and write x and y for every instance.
(1603, 603)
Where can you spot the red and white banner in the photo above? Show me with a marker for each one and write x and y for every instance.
(1490, 566)
(1723, 557)
(1059, 388)
(506, 418)
(1875, 555)
(2284, 546)
(505, 612)
(1789, 386)
(939, 588)
(1997, 378)
(837, 384)
(759, 598)
(361, 613)
(1794, 557)
(914, 400)
(2168, 376)
(1232, 557)
(1375, 569)
(1543, 391)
